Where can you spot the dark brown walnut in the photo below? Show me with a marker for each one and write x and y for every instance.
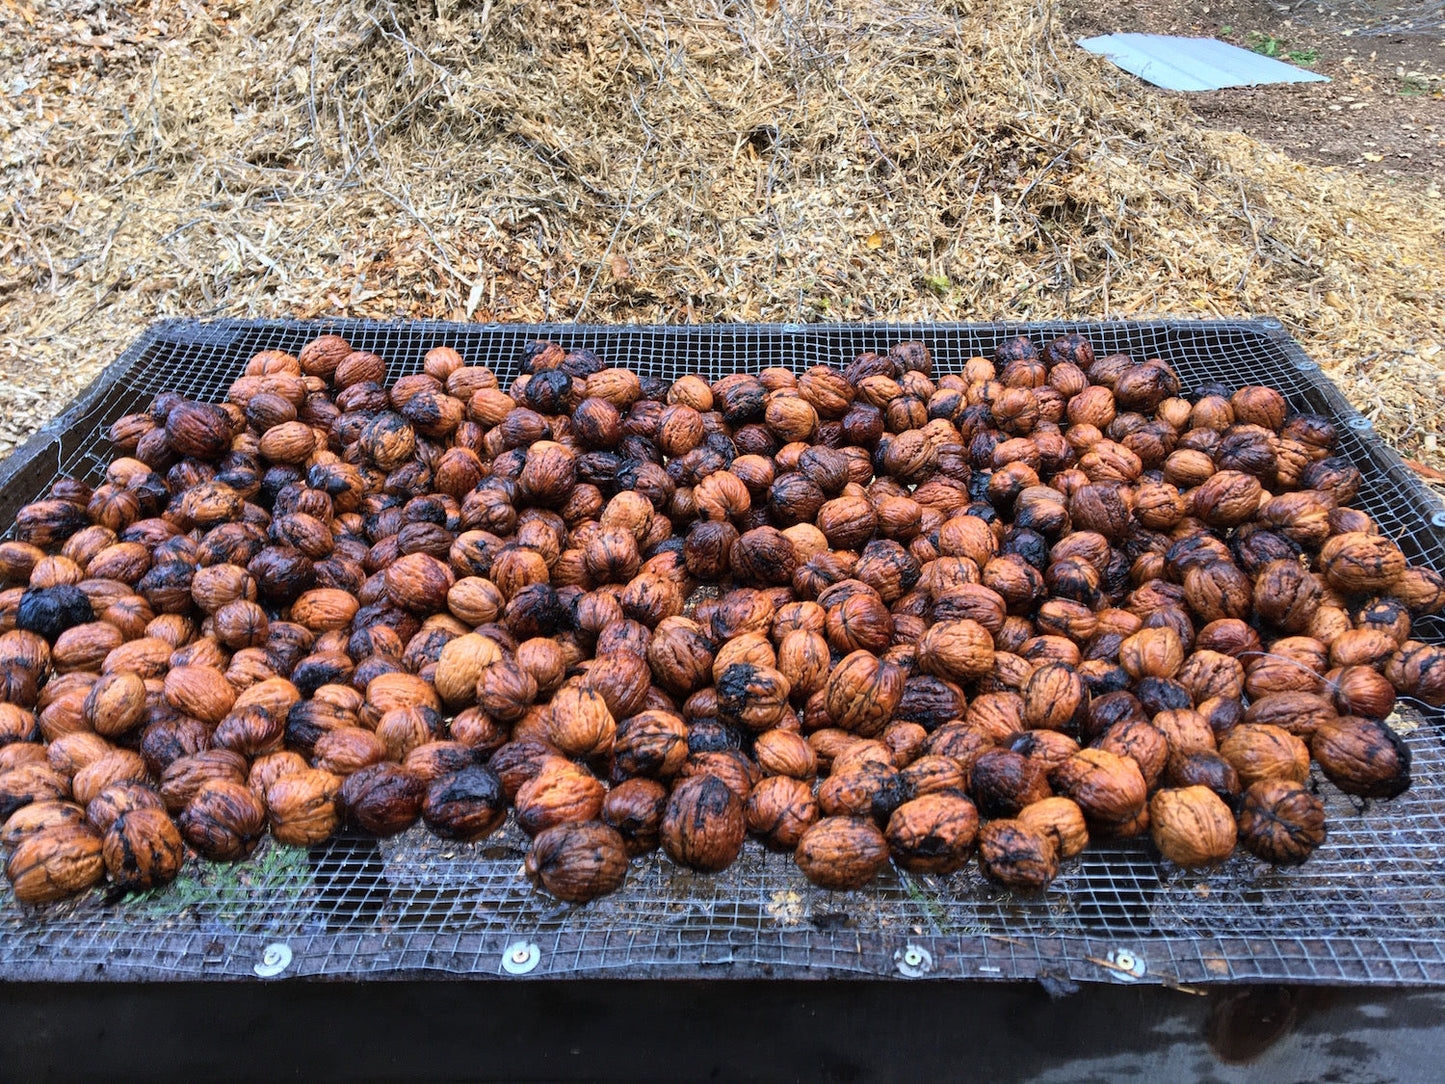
(578, 862)
(1355, 562)
(224, 821)
(1362, 690)
(1205, 769)
(933, 833)
(1002, 782)
(1016, 856)
(1281, 822)
(779, 810)
(382, 799)
(703, 826)
(1191, 826)
(54, 863)
(1108, 787)
(1362, 756)
(143, 849)
(635, 808)
(1260, 751)
(469, 804)
(841, 853)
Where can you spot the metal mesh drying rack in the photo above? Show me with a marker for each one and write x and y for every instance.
(1368, 908)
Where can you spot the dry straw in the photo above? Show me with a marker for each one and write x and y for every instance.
(660, 161)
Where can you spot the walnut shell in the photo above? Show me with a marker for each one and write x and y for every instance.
(652, 743)
(862, 692)
(55, 863)
(469, 804)
(1260, 751)
(933, 833)
(1109, 788)
(841, 853)
(1281, 822)
(143, 849)
(302, 807)
(1061, 821)
(224, 821)
(1191, 826)
(37, 817)
(559, 792)
(779, 810)
(1362, 756)
(703, 826)
(635, 807)
(753, 697)
(1016, 856)
(780, 752)
(577, 862)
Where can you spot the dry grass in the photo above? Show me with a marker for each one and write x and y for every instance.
(659, 161)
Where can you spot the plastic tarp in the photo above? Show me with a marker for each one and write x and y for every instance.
(1194, 63)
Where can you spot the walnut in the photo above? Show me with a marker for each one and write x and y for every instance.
(1002, 782)
(558, 792)
(302, 807)
(116, 766)
(865, 789)
(1362, 690)
(621, 678)
(1059, 820)
(956, 650)
(1281, 822)
(841, 853)
(751, 696)
(1260, 751)
(54, 863)
(1191, 826)
(1109, 788)
(651, 743)
(1362, 756)
(1053, 697)
(703, 826)
(862, 692)
(579, 722)
(224, 821)
(1355, 561)
(779, 752)
(1143, 743)
(1152, 652)
(779, 810)
(578, 861)
(1300, 713)
(1018, 857)
(143, 849)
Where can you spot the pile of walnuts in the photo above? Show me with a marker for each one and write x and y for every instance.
(863, 614)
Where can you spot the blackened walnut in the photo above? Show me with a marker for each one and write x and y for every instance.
(383, 799)
(1017, 856)
(224, 821)
(779, 810)
(469, 804)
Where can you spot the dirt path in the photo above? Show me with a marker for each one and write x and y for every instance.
(1383, 113)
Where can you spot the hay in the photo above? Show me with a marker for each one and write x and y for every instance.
(660, 161)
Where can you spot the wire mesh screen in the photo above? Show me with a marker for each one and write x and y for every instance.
(1369, 907)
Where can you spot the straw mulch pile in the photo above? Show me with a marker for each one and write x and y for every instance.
(658, 160)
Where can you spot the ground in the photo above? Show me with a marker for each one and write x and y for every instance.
(693, 160)
(1382, 114)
